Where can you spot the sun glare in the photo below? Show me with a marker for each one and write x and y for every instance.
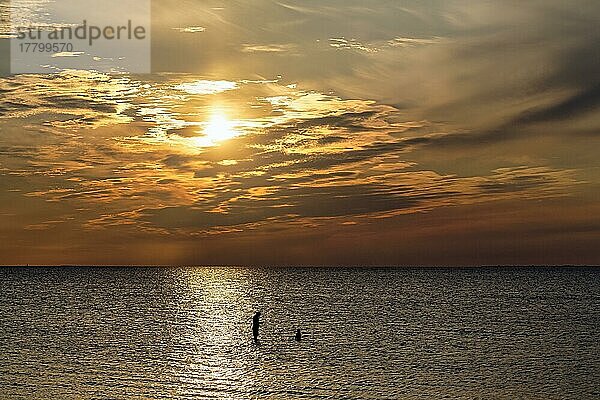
(218, 129)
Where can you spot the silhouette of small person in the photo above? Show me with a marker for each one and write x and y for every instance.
(255, 325)
(298, 335)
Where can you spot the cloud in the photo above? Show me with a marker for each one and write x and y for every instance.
(59, 98)
(267, 48)
(585, 101)
(206, 87)
(411, 42)
(350, 44)
(68, 54)
(299, 154)
(190, 29)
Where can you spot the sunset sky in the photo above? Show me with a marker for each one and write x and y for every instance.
(338, 132)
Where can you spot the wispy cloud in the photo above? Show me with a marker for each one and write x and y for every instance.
(267, 48)
(190, 29)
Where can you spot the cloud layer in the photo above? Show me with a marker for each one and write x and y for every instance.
(282, 118)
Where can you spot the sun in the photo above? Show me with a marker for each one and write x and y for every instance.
(217, 129)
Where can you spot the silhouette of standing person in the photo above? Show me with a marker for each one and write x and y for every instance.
(255, 325)
(298, 335)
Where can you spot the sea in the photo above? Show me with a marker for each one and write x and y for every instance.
(368, 333)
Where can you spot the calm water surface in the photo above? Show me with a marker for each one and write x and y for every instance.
(179, 333)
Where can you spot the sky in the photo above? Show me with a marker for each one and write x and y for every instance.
(338, 132)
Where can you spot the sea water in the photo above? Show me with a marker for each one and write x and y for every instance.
(185, 333)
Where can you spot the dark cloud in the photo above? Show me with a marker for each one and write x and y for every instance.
(585, 101)
(580, 104)
(351, 121)
(297, 201)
